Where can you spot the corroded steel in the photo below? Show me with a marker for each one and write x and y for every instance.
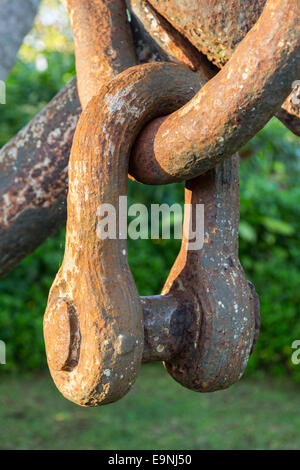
(231, 107)
(94, 290)
(212, 280)
(165, 319)
(214, 27)
(289, 113)
(204, 327)
(172, 46)
(94, 331)
(103, 43)
(34, 164)
(24, 230)
(33, 174)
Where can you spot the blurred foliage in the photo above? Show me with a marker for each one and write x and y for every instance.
(269, 228)
(46, 63)
(29, 90)
(270, 244)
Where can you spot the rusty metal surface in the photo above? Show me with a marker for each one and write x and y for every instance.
(33, 174)
(214, 27)
(103, 43)
(27, 230)
(289, 113)
(94, 284)
(34, 164)
(256, 309)
(219, 340)
(93, 325)
(205, 325)
(16, 20)
(33, 177)
(170, 44)
(165, 320)
(232, 107)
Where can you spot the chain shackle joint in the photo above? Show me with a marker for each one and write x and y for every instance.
(94, 327)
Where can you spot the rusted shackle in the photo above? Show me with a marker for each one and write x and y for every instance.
(94, 330)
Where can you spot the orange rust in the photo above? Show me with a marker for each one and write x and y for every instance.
(169, 41)
(231, 107)
(33, 178)
(103, 43)
(94, 287)
(219, 340)
(289, 113)
(95, 279)
(214, 27)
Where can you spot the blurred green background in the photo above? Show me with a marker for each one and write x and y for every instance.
(259, 412)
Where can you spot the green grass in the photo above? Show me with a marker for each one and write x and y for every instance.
(157, 414)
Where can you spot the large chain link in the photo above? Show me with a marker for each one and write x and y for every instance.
(95, 323)
(94, 328)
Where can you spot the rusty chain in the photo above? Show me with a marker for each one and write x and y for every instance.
(94, 326)
(94, 292)
(97, 329)
(94, 329)
(232, 107)
(33, 165)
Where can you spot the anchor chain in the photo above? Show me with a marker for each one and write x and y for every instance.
(97, 329)
(94, 329)
(27, 220)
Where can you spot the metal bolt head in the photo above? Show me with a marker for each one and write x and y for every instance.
(57, 333)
